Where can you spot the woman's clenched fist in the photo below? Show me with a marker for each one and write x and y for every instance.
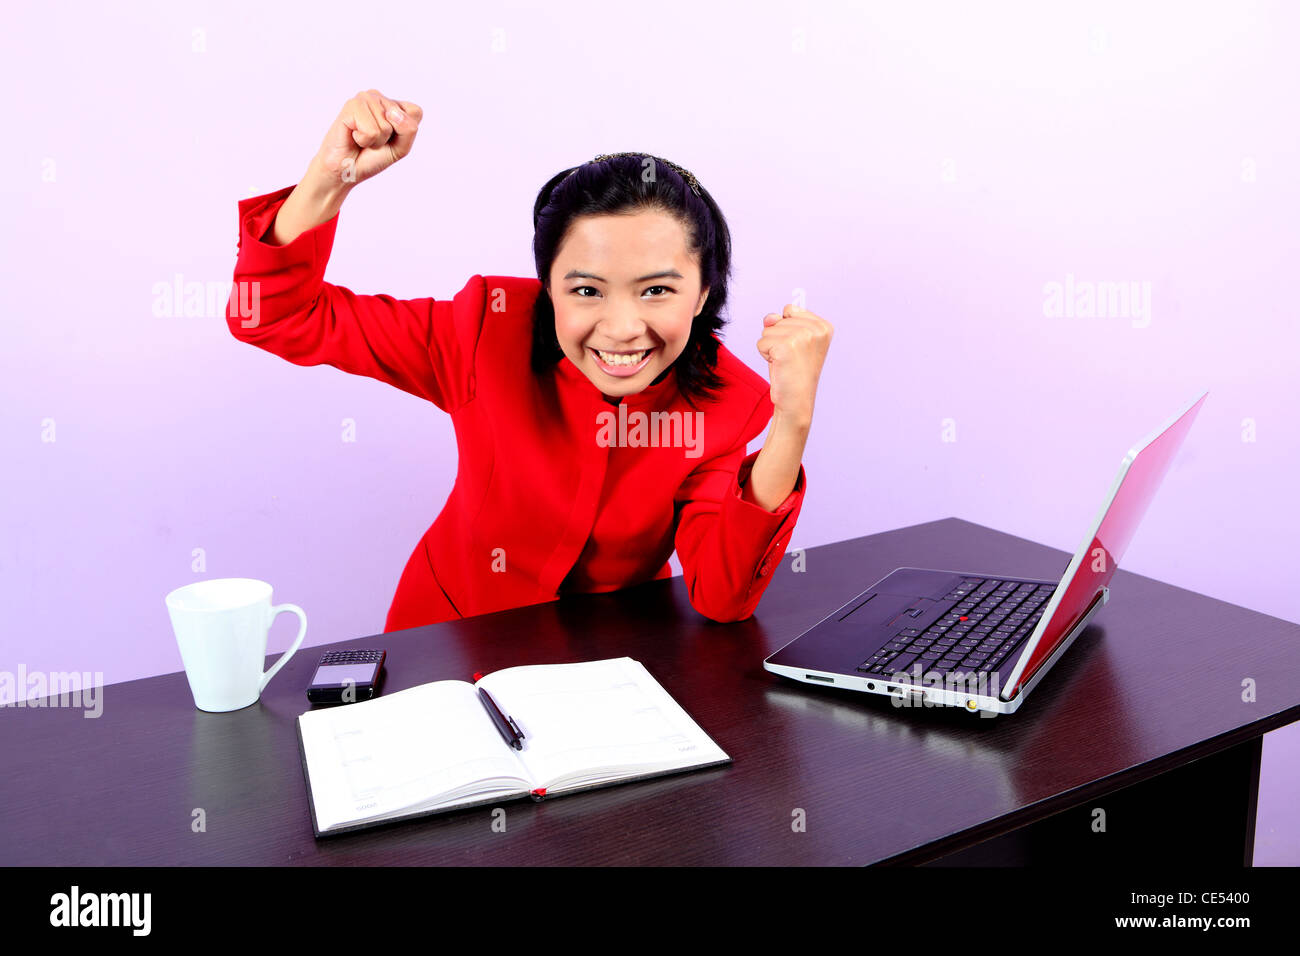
(794, 344)
(371, 132)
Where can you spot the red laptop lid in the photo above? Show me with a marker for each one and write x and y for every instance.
(1093, 565)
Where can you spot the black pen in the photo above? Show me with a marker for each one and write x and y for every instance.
(509, 729)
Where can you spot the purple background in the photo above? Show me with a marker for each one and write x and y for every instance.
(915, 173)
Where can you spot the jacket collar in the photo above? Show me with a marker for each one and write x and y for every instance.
(660, 394)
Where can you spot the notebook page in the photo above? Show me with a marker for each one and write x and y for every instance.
(377, 757)
(597, 720)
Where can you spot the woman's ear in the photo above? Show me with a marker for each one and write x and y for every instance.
(704, 295)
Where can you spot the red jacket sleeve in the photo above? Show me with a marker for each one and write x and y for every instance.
(281, 303)
(729, 547)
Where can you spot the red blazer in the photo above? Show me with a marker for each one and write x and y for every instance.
(543, 505)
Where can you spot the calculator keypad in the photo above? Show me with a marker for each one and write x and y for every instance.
(352, 657)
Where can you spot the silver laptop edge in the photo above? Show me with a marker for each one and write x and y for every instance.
(966, 694)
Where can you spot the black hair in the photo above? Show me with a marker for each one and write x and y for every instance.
(618, 184)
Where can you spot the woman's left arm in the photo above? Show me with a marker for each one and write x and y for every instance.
(737, 512)
(794, 344)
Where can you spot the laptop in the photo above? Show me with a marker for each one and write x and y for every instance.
(974, 640)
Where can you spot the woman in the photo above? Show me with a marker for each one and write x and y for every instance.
(599, 421)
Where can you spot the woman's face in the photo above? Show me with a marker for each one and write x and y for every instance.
(625, 289)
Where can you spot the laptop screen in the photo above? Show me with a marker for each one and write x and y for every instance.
(1093, 565)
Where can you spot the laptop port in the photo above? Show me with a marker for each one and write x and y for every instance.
(827, 680)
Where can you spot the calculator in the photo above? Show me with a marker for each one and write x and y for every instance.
(344, 677)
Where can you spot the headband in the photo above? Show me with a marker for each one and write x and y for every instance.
(686, 174)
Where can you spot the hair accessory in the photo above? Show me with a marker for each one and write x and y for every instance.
(686, 174)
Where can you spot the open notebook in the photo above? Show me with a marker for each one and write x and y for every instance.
(435, 747)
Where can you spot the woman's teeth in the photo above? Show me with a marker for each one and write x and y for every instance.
(614, 358)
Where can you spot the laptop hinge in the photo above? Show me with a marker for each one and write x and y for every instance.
(1100, 598)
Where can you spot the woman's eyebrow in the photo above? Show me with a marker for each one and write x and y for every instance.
(665, 274)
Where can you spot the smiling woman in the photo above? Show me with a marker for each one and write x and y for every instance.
(629, 329)
(613, 222)
(555, 493)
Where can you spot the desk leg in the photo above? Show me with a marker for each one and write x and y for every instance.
(1202, 813)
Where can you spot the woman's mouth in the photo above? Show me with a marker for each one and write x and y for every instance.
(621, 364)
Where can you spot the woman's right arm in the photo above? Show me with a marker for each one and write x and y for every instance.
(314, 201)
(280, 302)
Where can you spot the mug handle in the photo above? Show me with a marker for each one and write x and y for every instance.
(297, 641)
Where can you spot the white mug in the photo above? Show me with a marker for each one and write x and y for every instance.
(221, 627)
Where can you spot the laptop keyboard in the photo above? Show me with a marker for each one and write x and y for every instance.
(990, 620)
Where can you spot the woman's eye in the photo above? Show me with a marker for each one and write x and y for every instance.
(593, 289)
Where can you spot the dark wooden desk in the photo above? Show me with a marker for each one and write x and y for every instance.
(1143, 718)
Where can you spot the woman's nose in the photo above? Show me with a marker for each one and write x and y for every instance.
(622, 324)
